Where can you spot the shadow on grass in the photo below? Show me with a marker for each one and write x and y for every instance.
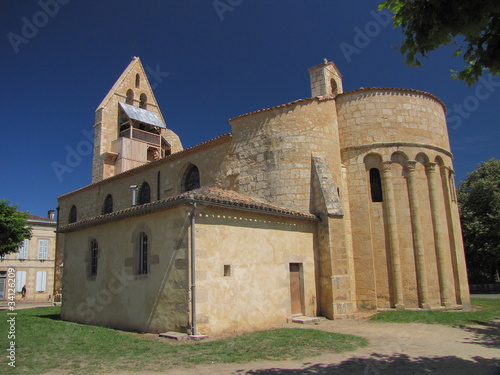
(486, 334)
(50, 316)
(392, 364)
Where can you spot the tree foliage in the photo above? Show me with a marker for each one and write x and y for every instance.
(473, 26)
(479, 202)
(13, 228)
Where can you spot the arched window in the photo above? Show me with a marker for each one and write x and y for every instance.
(143, 100)
(94, 252)
(375, 185)
(137, 81)
(333, 86)
(72, 215)
(130, 97)
(191, 179)
(144, 194)
(143, 254)
(107, 207)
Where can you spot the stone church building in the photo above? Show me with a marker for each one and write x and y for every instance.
(328, 206)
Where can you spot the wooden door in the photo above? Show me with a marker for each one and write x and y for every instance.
(295, 288)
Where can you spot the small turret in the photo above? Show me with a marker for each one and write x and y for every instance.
(326, 80)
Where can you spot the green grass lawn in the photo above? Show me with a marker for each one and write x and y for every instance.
(489, 310)
(44, 343)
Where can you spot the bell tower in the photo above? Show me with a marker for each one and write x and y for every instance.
(129, 128)
(326, 80)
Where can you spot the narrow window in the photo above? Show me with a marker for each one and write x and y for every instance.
(94, 252)
(375, 185)
(158, 185)
(72, 215)
(143, 254)
(137, 81)
(227, 270)
(22, 252)
(143, 100)
(191, 179)
(107, 207)
(130, 97)
(144, 194)
(41, 281)
(43, 247)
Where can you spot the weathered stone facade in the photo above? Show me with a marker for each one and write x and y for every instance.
(353, 189)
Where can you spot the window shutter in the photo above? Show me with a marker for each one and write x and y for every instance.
(23, 250)
(41, 280)
(43, 249)
(20, 280)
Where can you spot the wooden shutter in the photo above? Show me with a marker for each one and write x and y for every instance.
(20, 280)
(41, 281)
(43, 246)
(23, 250)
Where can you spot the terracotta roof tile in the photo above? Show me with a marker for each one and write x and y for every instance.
(205, 194)
(39, 218)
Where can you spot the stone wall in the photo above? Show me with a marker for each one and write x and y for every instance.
(406, 251)
(164, 178)
(270, 156)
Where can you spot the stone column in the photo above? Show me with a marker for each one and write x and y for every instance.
(417, 234)
(390, 212)
(455, 236)
(443, 276)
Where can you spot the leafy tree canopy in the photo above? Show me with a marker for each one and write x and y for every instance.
(473, 26)
(13, 228)
(479, 201)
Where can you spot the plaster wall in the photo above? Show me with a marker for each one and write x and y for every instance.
(32, 264)
(118, 296)
(258, 250)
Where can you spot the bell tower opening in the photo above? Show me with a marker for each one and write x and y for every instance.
(326, 80)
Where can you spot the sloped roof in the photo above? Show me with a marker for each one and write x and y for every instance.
(142, 115)
(211, 196)
(32, 217)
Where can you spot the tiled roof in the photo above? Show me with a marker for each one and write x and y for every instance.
(39, 218)
(214, 196)
(183, 153)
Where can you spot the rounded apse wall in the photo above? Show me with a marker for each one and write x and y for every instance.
(385, 115)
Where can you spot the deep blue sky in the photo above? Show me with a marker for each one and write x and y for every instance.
(214, 66)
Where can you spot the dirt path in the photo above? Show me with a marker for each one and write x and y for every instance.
(393, 349)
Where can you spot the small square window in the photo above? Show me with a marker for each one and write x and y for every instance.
(227, 270)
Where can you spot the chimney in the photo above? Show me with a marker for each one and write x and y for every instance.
(51, 214)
